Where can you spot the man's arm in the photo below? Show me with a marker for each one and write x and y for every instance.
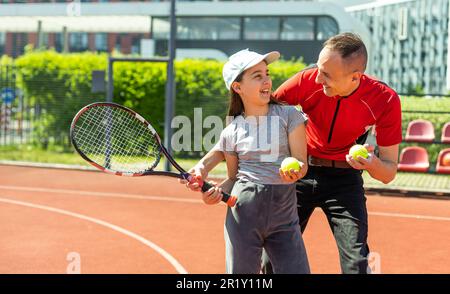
(289, 91)
(382, 168)
(389, 132)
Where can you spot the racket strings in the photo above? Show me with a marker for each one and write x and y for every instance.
(120, 130)
(116, 139)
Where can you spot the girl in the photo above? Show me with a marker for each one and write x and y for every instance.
(261, 135)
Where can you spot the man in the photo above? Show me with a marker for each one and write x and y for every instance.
(342, 104)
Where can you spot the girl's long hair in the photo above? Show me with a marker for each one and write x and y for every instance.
(236, 106)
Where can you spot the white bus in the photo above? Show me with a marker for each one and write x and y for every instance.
(217, 29)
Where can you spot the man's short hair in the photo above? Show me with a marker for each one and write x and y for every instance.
(350, 47)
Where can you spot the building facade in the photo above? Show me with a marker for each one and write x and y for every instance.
(13, 43)
(409, 43)
(296, 28)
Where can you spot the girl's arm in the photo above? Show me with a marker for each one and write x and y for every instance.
(201, 169)
(214, 195)
(297, 146)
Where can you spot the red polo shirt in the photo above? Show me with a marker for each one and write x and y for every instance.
(335, 123)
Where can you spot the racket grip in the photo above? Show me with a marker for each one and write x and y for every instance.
(230, 200)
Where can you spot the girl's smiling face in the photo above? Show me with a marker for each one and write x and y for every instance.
(256, 85)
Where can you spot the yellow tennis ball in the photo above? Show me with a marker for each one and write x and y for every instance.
(358, 150)
(290, 163)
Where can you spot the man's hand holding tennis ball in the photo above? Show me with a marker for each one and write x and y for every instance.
(291, 170)
(360, 156)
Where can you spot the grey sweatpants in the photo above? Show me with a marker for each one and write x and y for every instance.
(265, 216)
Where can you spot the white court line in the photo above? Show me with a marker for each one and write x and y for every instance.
(178, 267)
(163, 198)
(100, 194)
(414, 216)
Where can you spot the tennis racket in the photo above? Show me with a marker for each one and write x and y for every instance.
(117, 140)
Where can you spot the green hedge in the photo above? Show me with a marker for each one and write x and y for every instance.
(61, 85)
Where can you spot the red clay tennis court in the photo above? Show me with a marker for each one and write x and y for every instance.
(154, 225)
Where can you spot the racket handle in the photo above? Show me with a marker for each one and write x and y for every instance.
(230, 200)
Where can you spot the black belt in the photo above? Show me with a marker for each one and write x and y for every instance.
(315, 161)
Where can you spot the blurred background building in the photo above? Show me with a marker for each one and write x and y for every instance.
(407, 39)
(204, 28)
(409, 43)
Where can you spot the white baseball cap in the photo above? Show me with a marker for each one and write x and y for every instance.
(242, 60)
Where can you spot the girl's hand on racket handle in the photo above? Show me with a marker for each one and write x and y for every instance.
(213, 195)
(198, 173)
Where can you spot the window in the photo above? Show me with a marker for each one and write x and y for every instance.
(2, 43)
(298, 28)
(19, 41)
(326, 28)
(101, 42)
(43, 41)
(78, 42)
(58, 42)
(160, 28)
(403, 24)
(136, 45)
(118, 44)
(208, 28)
(199, 28)
(261, 28)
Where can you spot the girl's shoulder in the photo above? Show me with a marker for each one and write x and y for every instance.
(288, 114)
(233, 123)
(283, 110)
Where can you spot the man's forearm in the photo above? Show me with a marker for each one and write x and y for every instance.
(383, 170)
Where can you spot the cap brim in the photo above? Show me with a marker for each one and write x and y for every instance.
(269, 58)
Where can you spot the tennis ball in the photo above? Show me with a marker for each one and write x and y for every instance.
(290, 163)
(446, 160)
(358, 150)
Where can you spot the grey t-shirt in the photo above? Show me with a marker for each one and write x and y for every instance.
(261, 143)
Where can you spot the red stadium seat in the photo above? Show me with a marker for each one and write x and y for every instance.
(443, 162)
(420, 130)
(445, 138)
(414, 159)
